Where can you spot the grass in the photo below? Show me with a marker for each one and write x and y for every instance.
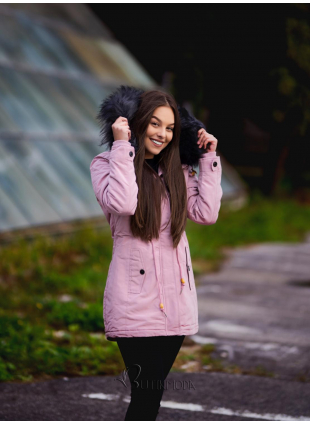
(51, 290)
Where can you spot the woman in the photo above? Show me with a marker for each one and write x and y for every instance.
(147, 190)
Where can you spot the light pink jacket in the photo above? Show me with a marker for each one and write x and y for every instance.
(144, 294)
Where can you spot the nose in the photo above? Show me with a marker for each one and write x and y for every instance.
(161, 135)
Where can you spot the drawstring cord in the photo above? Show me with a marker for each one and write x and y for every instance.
(161, 305)
(180, 268)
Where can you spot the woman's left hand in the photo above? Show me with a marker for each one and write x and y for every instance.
(207, 141)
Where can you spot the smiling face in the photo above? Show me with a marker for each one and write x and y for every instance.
(160, 129)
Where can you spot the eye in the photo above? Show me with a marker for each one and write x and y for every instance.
(155, 123)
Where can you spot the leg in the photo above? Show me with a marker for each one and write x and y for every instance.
(171, 345)
(144, 358)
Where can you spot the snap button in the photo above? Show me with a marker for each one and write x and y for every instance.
(214, 164)
(130, 153)
(142, 271)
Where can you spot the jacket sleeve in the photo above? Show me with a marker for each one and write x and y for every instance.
(114, 179)
(205, 192)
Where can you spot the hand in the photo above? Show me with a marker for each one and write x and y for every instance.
(207, 141)
(121, 130)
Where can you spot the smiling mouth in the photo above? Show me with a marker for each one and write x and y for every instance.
(156, 143)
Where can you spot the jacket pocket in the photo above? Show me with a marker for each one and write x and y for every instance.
(136, 272)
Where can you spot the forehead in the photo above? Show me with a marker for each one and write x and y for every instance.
(165, 114)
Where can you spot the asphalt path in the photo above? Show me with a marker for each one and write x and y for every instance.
(187, 396)
(255, 310)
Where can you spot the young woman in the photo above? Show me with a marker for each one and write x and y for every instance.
(147, 191)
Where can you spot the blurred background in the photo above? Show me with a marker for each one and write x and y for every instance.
(242, 69)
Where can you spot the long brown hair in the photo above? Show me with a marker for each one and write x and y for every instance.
(146, 221)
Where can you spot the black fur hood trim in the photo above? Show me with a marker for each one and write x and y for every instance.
(125, 102)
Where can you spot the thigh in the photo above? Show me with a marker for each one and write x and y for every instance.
(149, 359)
(144, 360)
(171, 347)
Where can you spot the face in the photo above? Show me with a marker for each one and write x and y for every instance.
(159, 129)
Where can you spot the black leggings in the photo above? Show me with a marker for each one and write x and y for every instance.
(148, 361)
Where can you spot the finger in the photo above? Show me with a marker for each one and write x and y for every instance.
(200, 132)
(205, 145)
(203, 141)
(200, 138)
(210, 139)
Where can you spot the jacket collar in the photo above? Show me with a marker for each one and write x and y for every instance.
(125, 102)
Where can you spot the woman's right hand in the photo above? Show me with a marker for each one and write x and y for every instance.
(121, 130)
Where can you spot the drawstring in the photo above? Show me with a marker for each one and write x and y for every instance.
(161, 305)
(180, 268)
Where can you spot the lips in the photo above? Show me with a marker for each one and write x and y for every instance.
(154, 144)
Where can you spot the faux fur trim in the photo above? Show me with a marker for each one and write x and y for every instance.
(125, 101)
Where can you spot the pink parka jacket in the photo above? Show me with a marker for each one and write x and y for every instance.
(150, 288)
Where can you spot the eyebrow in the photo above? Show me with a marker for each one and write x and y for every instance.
(160, 120)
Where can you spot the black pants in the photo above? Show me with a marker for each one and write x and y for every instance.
(148, 360)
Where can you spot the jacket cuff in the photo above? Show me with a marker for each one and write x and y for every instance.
(125, 147)
(120, 143)
(208, 154)
(209, 161)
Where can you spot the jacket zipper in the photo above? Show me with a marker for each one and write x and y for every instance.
(188, 269)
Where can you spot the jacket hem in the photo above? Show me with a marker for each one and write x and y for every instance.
(183, 330)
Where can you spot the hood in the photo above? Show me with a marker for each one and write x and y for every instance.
(125, 102)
